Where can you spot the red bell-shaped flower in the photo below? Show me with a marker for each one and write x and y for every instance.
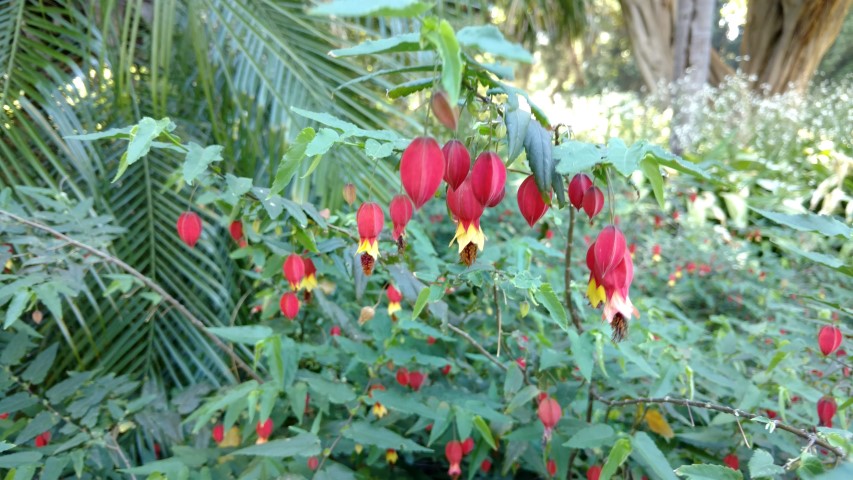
(488, 179)
(826, 408)
(236, 231)
(467, 446)
(264, 429)
(467, 210)
(218, 433)
(443, 110)
(294, 270)
(611, 273)
(577, 187)
(551, 466)
(394, 299)
(593, 201)
(309, 281)
(289, 305)
(453, 452)
(549, 414)
(402, 376)
(829, 339)
(530, 202)
(189, 228)
(401, 212)
(594, 472)
(416, 379)
(371, 220)
(457, 163)
(421, 170)
(732, 461)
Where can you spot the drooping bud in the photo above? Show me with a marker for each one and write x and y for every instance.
(593, 201)
(467, 210)
(732, 461)
(421, 170)
(488, 179)
(530, 202)
(289, 305)
(236, 230)
(577, 187)
(826, 408)
(366, 314)
(454, 454)
(313, 463)
(402, 377)
(294, 270)
(189, 228)
(335, 331)
(349, 193)
(593, 473)
(457, 163)
(611, 273)
(552, 467)
(43, 439)
(218, 433)
(443, 110)
(467, 446)
(486, 466)
(394, 299)
(371, 220)
(401, 212)
(829, 339)
(416, 379)
(549, 413)
(264, 430)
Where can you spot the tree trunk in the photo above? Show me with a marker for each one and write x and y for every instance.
(784, 40)
(650, 27)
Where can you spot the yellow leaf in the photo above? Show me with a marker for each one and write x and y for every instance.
(658, 424)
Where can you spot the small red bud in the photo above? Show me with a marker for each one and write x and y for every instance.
(467, 446)
(313, 463)
(335, 331)
(577, 187)
(829, 339)
(236, 230)
(445, 369)
(486, 466)
(416, 379)
(189, 228)
(593, 201)
(552, 467)
(593, 473)
(264, 430)
(403, 377)
(349, 193)
(218, 433)
(732, 461)
(289, 305)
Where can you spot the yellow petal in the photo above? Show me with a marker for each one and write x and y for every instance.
(472, 234)
(595, 293)
(309, 282)
(371, 247)
(658, 424)
(393, 307)
(232, 438)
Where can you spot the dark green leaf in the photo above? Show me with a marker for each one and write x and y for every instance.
(39, 367)
(618, 454)
(649, 455)
(302, 445)
(291, 160)
(410, 87)
(15, 460)
(407, 42)
(708, 472)
(16, 307)
(514, 380)
(517, 122)
(537, 144)
(382, 438)
(594, 436)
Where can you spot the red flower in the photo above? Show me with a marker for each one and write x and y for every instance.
(42, 439)
(4, 416)
(826, 408)
(416, 379)
(593, 473)
(394, 299)
(488, 178)
(236, 230)
(829, 339)
(430, 340)
(457, 163)
(189, 228)
(289, 305)
(552, 467)
(335, 331)
(577, 187)
(732, 461)
(467, 446)
(313, 463)
(403, 376)
(530, 202)
(294, 270)
(401, 212)
(443, 110)
(310, 279)
(658, 221)
(593, 201)
(371, 220)
(264, 430)
(445, 369)
(467, 210)
(771, 414)
(218, 433)
(549, 413)
(421, 170)
(486, 466)
(611, 273)
(521, 362)
(454, 453)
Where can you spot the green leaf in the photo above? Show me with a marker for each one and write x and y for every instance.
(819, 258)
(517, 122)
(421, 302)
(618, 454)
(302, 445)
(593, 436)
(39, 367)
(4, 445)
(68, 387)
(372, 8)
(808, 222)
(291, 160)
(537, 144)
(111, 133)
(236, 188)
(382, 438)
(441, 35)
(375, 150)
(810, 467)
(198, 159)
(545, 294)
(321, 144)
(407, 42)
(42, 422)
(490, 40)
(443, 419)
(708, 472)
(141, 137)
(521, 398)
(485, 431)
(514, 379)
(248, 334)
(582, 353)
(410, 87)
(649, 455)
(761, 465)
(624, 159)
(573, 157)
(296, 212)
(15, 460)
(652, 172)
(16, 307)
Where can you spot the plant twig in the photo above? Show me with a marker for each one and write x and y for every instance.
(809, 436)
(147, 282)
(590, 398)
(498, 316)
(337, 439)
(567, 276)
(464, 334)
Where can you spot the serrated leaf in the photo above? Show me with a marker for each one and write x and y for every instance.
(373, 8)
(380, 437)
(111, 133)
(625, 160)
(291, 160)
(485, 431)
(489, 39)
(142, 135)
(374, 149)
(441, 35)
(537, 144)
(304, 444)
(521, 398)
(296, 212)
(761, 465)
(443, 419)
(407, 88)
(618, 454)
(545, 294)
(322, 142)
(593, 436)
(649, 455)
(39, 367)
(514, 379)
(248, 334)
(573, 157)
(16, 307)
(198, 158)
(517, 122)
(810, 467)
(407, 42)
(708, 472)
(582, 353)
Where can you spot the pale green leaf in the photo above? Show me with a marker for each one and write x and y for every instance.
(291, 160)
(248, 334)
(618, 454)
(407, 42)
(708, 472)
(302, 445)
(199, 158)
(593, 436)
(442, 36)
(489, 39)
(372, 8)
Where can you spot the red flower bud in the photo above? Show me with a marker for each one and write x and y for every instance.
(264, 430)
(593, 201)
(829, 339)
(335, 331)
(552, 467)
(394, 295)
(289, 305)
(457, 163)
(401, 212)
(530, 202)
(189, 228)
(593, 473)
(443, 110)
(488, 179)
(577, 187)
(421, 170)
(416, 379)
(4, 416)
(445, 369)
(826, 408)
(453, 452)
(218, 433)
(486, 466)
(42, 439)
(236, 230)
(732, 461)
(467, 446)
(430, 340)
(403, 376)
(371, 220)
(771, 414)
(549, 413)
(294, 270)
(313, 463)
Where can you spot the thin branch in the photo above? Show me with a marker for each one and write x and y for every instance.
(337, 439)
(464, 334)
(147, 282)
(590, 399)
(809, 436)
(499, 318)
(567, 276)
